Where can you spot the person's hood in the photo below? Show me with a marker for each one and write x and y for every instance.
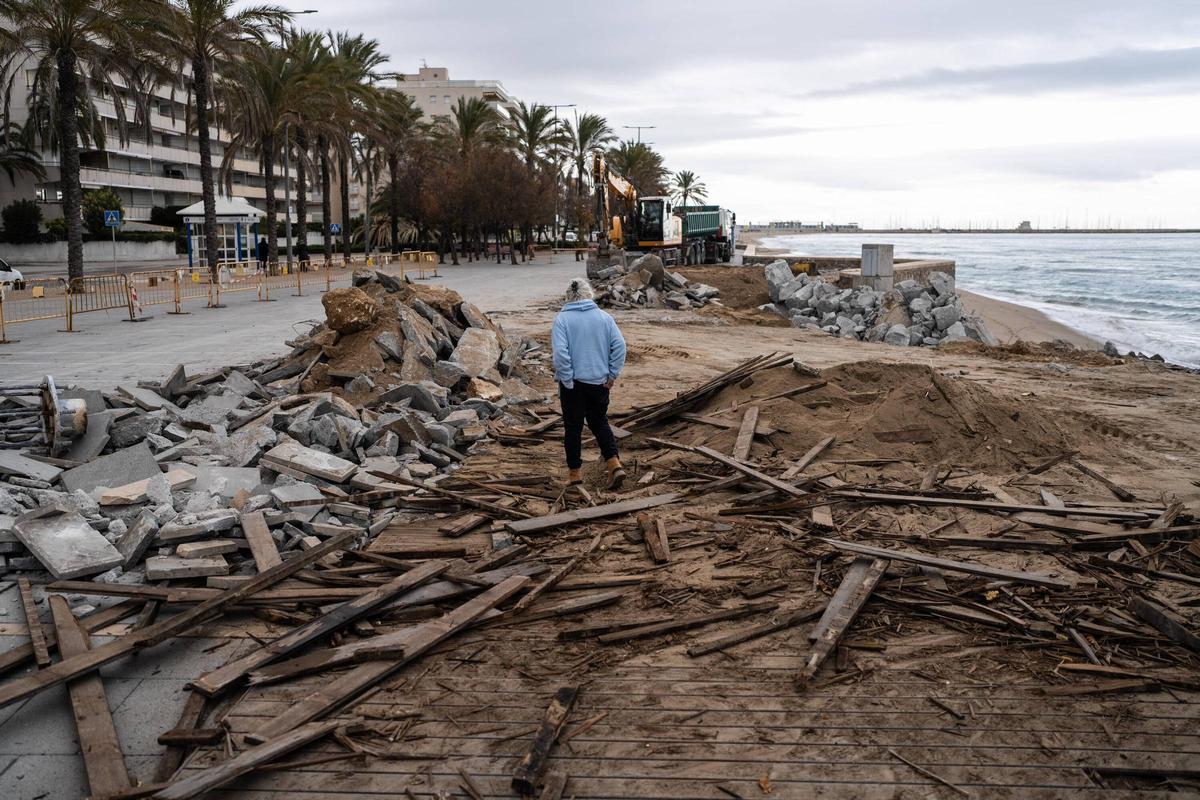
(580, 305)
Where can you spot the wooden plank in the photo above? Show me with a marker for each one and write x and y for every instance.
(222, 773)
(160, 631)
(762, 429)
(537, 524)
(654, 539)
(533, 763)
(1034, 578)
(463, 525)
(349, 685)
(1120, 492)
(931, 475)
(102, 758)
(1050, 499)
(686, 623)
(987, 505)
(748, 470)
(745, 437)
(37, 636)
(860, 580)
(458, 497)
(231, 673)
(557, 575)
(758, 631)
(16, 656)
(1166, 622)
(189, 719)
(795, 469)
(262, 544)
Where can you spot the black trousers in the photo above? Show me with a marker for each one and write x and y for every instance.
(585, 402)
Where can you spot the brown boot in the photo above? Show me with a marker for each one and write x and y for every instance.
(616, 473)
(574, 477)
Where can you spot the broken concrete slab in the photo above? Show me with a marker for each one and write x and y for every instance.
(138, 491)
(66, 544)
(223, 481)
(146, 399)
(94, 439)
(134, 543)
(13, 463)
(162, 568)
(134, 429)
(212, 547)
(478, 351)
(293, 456)
(424, 396)
(115, 469)
(297, 492)
(189, 527)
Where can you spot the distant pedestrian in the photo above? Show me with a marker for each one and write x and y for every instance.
(589, 354)
(260, 251)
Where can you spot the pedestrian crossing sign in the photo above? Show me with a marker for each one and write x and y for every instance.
(112, 219)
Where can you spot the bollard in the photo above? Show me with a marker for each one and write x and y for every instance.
(300, 280)
(3, 335)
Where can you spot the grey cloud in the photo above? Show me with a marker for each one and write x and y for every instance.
(1164, 70)
(1129, 160)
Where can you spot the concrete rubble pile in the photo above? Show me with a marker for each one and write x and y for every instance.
(646, 282)
(397, 385)
(908, 315)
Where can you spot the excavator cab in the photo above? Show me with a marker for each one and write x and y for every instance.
(657, 226)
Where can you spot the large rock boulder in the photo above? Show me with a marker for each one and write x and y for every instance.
(946, 316)
(477, 352)
(653, 266)
(779, 274)
(349, 310)
(941, 284)
(896, 335)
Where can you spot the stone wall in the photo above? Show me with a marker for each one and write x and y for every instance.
(905, 269)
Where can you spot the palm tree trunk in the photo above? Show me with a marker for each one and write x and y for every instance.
(393, 162)
(301, 194)
(326, 210)
(344, 177)
(268, 157)
(68, 137)
(207, 186)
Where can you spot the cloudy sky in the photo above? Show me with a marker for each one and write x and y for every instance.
(882, 112)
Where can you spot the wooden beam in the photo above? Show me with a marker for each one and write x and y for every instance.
(83, 663)
(1166, 622)
(557, 575)
(37, 636)
(458, 497)
(1121, 493)
(795, 469)
(344, 688)
(748, 470)
(686, 623)
(225, 771)
(231, 673)
(16, 656)
(262, 544)
(746, 634)
(1034, 578)
(463, 525)
(745, 437)
(102, 758)
(189, 719)
(538, 524)
(655, 538)
(987, 505)
(860, 580)
(533, 763)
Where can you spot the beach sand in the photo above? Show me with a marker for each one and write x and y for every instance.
(1008, 322)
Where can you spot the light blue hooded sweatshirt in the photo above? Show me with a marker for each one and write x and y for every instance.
(588, 347)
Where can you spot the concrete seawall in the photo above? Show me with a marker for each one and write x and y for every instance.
(845, 271)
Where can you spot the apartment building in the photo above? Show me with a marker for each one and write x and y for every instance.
(435, 94)
(155, 167)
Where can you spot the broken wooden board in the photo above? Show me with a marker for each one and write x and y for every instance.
(165, 568)
(654, 534)
(686, 623)
(533, 762)
(262, 544)
(462, 525)
(763, 428)
(65, 543)
(160, 631)
(745, 437)
(37, 636)
(537, 524)
(987, 505)
(349, 685)
(295, 456)
(746, 470)
(226, 676)
(856, 587)
(102, 758)
(206, 549)
(1034, 578)
(813, 452)
(246, 761)
(746, 634)
(1166, 622)
(1120, 492)
(18, 655)
(136, 492)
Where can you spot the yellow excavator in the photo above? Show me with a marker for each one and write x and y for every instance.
(676, 234)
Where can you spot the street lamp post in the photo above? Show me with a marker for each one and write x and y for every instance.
(556, 167)
(639, 129)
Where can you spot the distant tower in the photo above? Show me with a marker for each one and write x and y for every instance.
(1025, 227)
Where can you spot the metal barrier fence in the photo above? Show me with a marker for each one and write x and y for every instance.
(52, 297)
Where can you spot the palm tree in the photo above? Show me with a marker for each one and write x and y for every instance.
(73, 48)
(206, 36)
(356, 96)
(641, 166)
(534, 132)
(685, 184)
(395, 124)
(473, 122)
(589, 135)
(16, 156)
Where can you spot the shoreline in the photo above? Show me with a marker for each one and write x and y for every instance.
(1008, 321)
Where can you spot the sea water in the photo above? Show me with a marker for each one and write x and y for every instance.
(1141, 291)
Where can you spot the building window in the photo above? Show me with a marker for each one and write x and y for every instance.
(446, 99)
(433, 99)
(43, 195)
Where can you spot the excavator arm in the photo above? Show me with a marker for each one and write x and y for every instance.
(611, 186)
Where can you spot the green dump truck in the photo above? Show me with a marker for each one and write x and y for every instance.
(708, 233)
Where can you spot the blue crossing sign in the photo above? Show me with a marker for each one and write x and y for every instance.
(335, 228)
(112, 219)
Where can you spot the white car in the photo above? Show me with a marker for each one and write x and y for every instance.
(8, 274)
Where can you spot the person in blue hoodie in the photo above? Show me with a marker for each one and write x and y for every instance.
(589, 354)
